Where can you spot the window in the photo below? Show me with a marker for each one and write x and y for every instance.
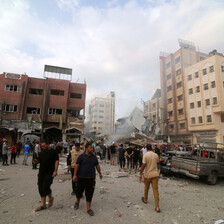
(207, 102)
(196, 75)
(100, 116)
(170, 113)
(180, 97)
(200, 120)
(177, 60)
(204, 71)
(9, 108)
(100, 122)
(178, 72)
(54, 111)
(168, 76)
(76, 95)
(168, 65)
(213, 85)
(101, 111)
(193, 120)
(211, 68)
(190, 91)
(209, 118)
(13, 88)
(101, 105)
(180, 111)
(182, 125)
(57, 92)
(201, 58)
(179, 84)
(35, 91)
(189, 77)
(222, 117)
(170, 100)
(199, 103)
(192, 105)
(206, 86)
(215, 101)
(197, 89)
(32, 110)
(222, 68)
(154, 117)
(154, 106)
(169, 88)
(171, 127)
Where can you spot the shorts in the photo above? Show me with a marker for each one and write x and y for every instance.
(112, 155)
(44, 184)
(87, 185)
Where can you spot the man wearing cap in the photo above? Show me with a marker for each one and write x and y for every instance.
(5, 149)
(71, 161)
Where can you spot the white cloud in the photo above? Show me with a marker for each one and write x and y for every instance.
(115, 48)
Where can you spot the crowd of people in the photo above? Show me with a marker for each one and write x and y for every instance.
(82, 162)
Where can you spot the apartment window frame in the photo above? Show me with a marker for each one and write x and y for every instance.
(198, 89)
(76, 96)
(170, 100)
(193, 121)
(205, 86)
(222, 117)
(182, 125)
(180, 97)
(204, 71)
(34, 91)
(213, 84)
(13, 88)
(209, 118)
(10, 108)
(170, 113)
(169, 88)
(190, 91)
(207, 102)
(214, 100)
(191, 105)
(179, 84)
(177, 60)
(178, 72)
(55, 111)
(33, 110)
(167, 65)
(222, 68)
(57, 92)
(211, 69)
(196, 75)
(198, 104)
(181, 111)
(189, 77)
(200, 119)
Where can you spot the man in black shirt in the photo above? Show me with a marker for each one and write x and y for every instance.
(85, 175)
(121, 151)
(49, 161)
(129, 156)
(112, 153)
(136, 156)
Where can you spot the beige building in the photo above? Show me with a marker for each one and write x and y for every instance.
(172, 75)
(102, 114)
(204, 96)
(153, 112)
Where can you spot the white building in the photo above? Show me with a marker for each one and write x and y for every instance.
(102, 114)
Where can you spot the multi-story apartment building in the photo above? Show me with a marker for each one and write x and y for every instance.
(172, 75)
(102, 114)
(204, 96)
(153, 113)
(50, 108)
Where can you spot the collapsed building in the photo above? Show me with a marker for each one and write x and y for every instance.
(51, 108)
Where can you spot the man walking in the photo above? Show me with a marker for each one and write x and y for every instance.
(5, 149)
(26, 152)
(71, 161)
(130, 153)
(151, 175)
(36, 154)
(49, 161)
(85, 175)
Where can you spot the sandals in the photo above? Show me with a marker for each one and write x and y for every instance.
(76, 206)
(40, 208)
(50, 203)
(157, 210)
(143, 200)
(90, 212)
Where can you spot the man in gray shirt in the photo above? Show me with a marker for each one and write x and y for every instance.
(5, 149)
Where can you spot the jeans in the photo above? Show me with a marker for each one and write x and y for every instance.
(4, 159)
(25, 158)
(122, 162)
(154, 181)
(13, 157)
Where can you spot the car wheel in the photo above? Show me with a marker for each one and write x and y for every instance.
(212, 178)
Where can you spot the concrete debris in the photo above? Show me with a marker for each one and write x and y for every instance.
(220, 221)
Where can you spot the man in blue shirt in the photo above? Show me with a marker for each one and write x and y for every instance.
(26, 153)
(85, 175)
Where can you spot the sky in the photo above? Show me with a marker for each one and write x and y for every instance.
(113, 45)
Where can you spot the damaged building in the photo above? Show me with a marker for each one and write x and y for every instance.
(51, 108)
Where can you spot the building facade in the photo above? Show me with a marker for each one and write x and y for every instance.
(204, 96)
(172, 73)
(50, 108)
(102, 114)
(153, 113)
